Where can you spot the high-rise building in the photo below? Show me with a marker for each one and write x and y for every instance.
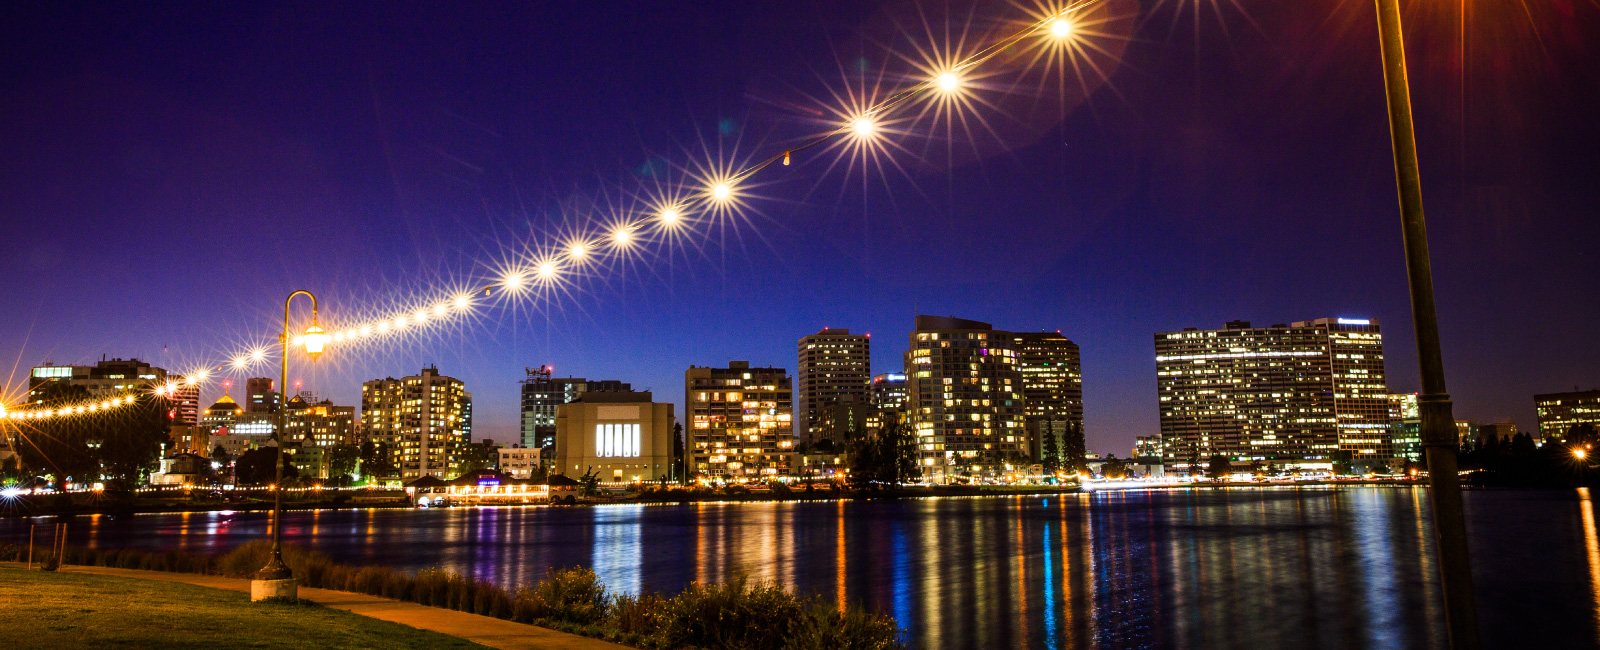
(620, 436)
(740, 421)
(889, 391)
(1291, 395)
(260, 396)
(1147, 448)
(1052, 389)
(1559, 412)
(319, 423)
(542, 394)
(185, 398)
(964, 397)
(220, 417)
(423, 419)
(835, 367)
(1405, 427)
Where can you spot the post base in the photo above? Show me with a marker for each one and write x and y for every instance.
(264, 589)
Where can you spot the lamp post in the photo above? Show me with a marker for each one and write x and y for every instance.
(275, 580)
(1439, 437)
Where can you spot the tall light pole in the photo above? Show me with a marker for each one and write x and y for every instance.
(1438, 424)
(275, 580)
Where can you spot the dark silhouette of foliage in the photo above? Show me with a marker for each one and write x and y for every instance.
(1114, 467)
(1220, 468)
(254, 467)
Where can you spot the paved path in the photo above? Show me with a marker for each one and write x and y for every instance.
(489, 631)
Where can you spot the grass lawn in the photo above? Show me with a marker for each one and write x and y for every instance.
(66, 610)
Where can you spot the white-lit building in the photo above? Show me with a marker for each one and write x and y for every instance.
(621, 436)
(423, 418)
(740, 422)
(517, 461)
(964, 398)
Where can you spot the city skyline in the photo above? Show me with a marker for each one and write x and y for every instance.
(1108, 256)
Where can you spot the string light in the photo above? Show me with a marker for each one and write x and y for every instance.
(866, 125)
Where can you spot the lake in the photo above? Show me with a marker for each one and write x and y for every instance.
(1289, 567)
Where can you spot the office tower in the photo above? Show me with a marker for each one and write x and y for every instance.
(1147, 449)
(889, 391)
(1289, 395)
(964, 398)
(834, 369)
(108, 378)
(740, 421)
(621, 436)
(185, 402)
(422, 418)
(542, 394)
(1405, 427)
(1052, 390)
(1559, 412)
(260, 397)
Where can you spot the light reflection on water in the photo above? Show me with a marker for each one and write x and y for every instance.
(1222, 568)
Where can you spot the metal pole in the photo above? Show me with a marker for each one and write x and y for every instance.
(31, 529)
(1439, 437)
(275, 568)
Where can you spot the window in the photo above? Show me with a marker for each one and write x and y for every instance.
(617, 440)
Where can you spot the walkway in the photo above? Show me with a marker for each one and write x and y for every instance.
(489, 631)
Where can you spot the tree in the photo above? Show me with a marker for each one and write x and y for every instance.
(902, 448)
(254, 467)
(1341, 463)
(1581, 434)
(1049, 452)
(475, 456)
(1220, 469)
(680, 459)
(343, 461)
(1074, 451)
(866, 467)
(590, 482)
(1114, 467)
(375, 461)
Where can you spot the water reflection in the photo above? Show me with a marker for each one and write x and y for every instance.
(1224, 568)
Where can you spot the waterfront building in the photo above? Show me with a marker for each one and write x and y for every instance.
(261, 397)
(105, 379)
(518, 461)
(259, 424)
(888, 391)
(1559, 412)
(423, 418)
(321, 423)
(309, 460)
(1405, 427)
(1147, 449)
(1288, 395)
(1052, 389)
(542, 394)
(236, 444)
(1498, 431)
(740, 421)
(964, 398)
(621, 436)
(834, 368)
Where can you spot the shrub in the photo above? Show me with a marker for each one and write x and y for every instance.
(635, 614)
(574, 595)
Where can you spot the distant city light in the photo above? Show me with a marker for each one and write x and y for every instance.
(1061, 28)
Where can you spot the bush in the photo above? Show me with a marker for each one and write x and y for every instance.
(636, 614)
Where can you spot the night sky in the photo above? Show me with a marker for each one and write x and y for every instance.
(169, 171)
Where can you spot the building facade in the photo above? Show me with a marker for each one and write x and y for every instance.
(1559, 412)
(260, 396)
(964, 398)
(888, 391)
(423, 418)
(108, 378)
(740, 422)
(320, 423)
(1405, 427)
(620, 436)
(834, 368)
(1289, 395)
(517, 461)
(542, 394)
(1052, 389)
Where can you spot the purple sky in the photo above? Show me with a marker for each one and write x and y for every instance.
(169, 172)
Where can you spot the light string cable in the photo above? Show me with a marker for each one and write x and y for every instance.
(717, 192)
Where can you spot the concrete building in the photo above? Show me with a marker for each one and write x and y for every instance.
(740, 422)
(1147, 449)
(964, 398)
(423, 418)
(1288, 395)
(319, 422)
(1559, 412)
(542, 394)
(1052, 389)
(1405, 428)
(1500, 430)
(260, 396)
(517, 461)
(834, 368)
(219, 418)
(106, 379)
(621, 436)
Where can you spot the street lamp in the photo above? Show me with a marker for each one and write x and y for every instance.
(275, 580)
(1438, 423)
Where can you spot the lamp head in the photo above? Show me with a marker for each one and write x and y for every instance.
(314, 339)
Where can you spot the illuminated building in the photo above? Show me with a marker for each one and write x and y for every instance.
(423, 418)
(185, 403)
(1147, 447)
(1290, 395)
(888, 391)
(1052, 390)
(260, 396)
(1559, 412)
(740, 421)
(964, 398)
(108, 378)
(620, 436)
(517, 461)
(834, 368)
(219, 418)
(1405, 427)
(320, 423)
(541, 394)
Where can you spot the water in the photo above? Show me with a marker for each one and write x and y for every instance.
(1234, 568)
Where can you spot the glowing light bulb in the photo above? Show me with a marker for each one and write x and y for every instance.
(513, 281)
(462, 302)
(297, 341)
(400, 322)
(366, 330)
(421, 316)
(200, 375)
(1061, 28)
(864, 127)
(383, 327)
(257, 355)
(578, 250)
(439, 309)
(948, 82)
(670, 216)
(721, 191)
(338, 336)
(622, 236)
(547, 270)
